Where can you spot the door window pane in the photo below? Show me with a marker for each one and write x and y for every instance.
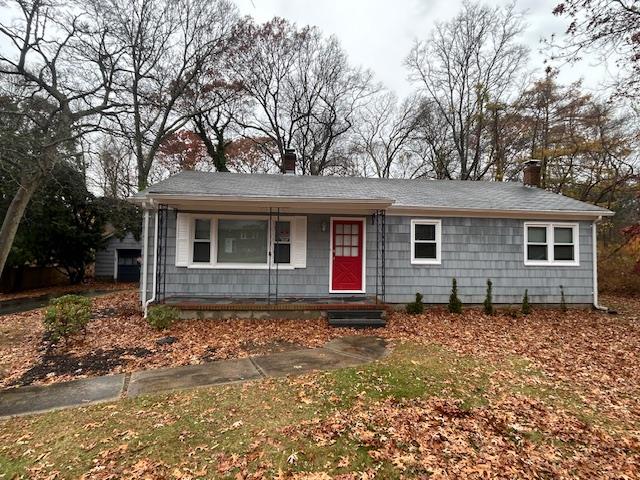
(242, 241)
(354, 251)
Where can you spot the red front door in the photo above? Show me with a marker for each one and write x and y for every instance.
(346, 255)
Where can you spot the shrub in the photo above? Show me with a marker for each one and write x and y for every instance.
(455, 305)
(488, 301)
(526, 307)
(563, 302)
(161, 317)
(67, 315)
(416, 307)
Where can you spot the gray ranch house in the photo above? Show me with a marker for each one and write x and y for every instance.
(228, 241)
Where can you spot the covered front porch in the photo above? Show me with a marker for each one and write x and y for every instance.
(302, 285)
(282, 307)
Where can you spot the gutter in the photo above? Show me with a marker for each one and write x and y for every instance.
(249, 198)
(594, 248)
(145, 249)
(155, 266)
(392, 207)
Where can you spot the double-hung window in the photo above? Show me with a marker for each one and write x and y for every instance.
(282, 242)
(426, 242)
(201, 241)
(551, 244)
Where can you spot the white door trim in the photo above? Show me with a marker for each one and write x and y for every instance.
(364, 254)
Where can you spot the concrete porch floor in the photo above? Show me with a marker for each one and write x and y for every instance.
(338, 353)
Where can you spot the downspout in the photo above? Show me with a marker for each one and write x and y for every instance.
(145, 255)
(594, 248)
(155, 265)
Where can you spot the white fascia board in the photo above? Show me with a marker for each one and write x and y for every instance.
(495, 213)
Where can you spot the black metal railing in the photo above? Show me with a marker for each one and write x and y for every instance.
(380, 222)
(161, 251)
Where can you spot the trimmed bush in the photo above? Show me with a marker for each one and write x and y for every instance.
(526, 307)
(563, 302)
(488, 301)
(67, 315)
(455, 305)
(416, 307)
(161, 317)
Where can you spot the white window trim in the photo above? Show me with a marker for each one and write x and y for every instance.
(213, 263)
(364, 254)
(438, 240)
(550, 245)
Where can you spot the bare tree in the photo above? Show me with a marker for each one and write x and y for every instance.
(217, 123)
(115, 170)
(465, 64)
(304, 90)
(168, 46)
(61, 59)
(585, 146)
(608, 28)
(384, 131)
(432, 144)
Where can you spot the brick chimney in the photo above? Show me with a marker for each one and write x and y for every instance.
(532, 170)
(289, 161)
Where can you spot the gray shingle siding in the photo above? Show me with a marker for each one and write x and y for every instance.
(105, 258)
(473, 250)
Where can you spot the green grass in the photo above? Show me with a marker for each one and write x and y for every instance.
(194, 428)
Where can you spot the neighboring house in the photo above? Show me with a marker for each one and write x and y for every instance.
(120, 259)
(287, 238)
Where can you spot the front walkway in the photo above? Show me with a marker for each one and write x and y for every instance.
(338, 353)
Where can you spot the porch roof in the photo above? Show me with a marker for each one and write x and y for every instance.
(395, 194)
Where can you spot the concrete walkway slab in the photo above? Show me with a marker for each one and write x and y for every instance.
(166, 379)
(368, 348)
(300, 361)
(338, 353)
(20, 401)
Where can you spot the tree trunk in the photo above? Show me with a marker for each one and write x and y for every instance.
(14, 215)
(220, 159)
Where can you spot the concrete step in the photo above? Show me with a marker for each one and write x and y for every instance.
(357, 322)
(345, 314)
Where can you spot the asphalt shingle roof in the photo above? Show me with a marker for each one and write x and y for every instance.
(447, 194)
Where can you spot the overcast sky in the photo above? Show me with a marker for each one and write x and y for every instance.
(378, 34)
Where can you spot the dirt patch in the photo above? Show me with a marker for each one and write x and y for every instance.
(100, 362)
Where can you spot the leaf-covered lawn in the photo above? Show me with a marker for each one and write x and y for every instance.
(425, 412)
(549, 395)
